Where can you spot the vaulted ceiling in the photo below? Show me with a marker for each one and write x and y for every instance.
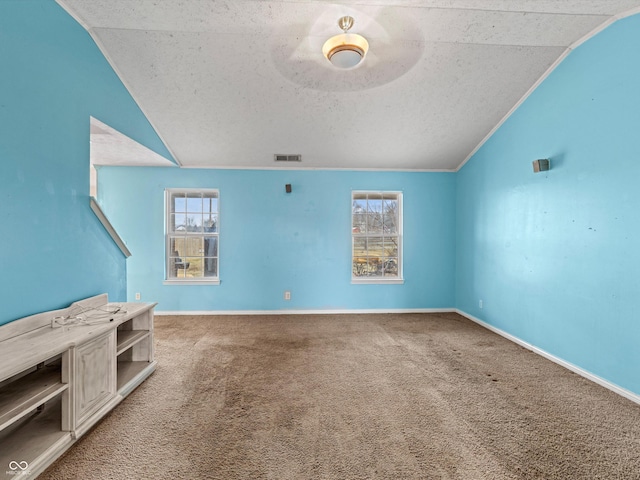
(230, 83)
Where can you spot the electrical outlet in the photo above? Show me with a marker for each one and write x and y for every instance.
(137, 296)
(480, 303)
(287, 295)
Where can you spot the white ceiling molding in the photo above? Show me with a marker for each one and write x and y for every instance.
(575, 45)
(228, 83)
(89, 30)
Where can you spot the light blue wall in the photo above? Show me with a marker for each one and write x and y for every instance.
(555, 256)
(271, 241)
(53, 77)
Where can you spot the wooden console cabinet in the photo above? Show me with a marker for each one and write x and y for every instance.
(62, 371)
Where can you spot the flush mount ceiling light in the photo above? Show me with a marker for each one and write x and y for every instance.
(347, 49)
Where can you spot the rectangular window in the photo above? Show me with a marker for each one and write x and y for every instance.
(376, 231)
(192, 231)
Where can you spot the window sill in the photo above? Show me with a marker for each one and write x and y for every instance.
(377, 281)
(191, 282)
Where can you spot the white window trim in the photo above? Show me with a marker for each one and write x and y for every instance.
(381, 280)
(187, 281)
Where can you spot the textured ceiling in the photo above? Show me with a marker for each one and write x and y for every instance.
(231, 83)
(108, 145)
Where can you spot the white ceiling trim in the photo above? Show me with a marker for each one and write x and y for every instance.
(117, 71)
(544, 76)
(538, 6)
(327, 169)
(294, 68)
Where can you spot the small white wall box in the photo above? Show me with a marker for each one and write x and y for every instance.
(541, 165)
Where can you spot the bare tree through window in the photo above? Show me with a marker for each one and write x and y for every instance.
(192, 234)
(375, 231)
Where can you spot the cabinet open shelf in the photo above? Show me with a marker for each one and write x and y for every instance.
(34, 436)
(56, 383)
(127, 371)
(134, 352)
(128, 338)
(22, 396)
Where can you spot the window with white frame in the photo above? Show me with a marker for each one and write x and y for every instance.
(192, 233)
(376, 230)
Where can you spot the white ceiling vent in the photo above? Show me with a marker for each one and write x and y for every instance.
(279, 157)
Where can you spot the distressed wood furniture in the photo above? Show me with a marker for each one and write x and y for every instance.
(62, 371)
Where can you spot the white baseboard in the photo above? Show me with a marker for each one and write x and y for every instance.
(306, 312)
(570, 366)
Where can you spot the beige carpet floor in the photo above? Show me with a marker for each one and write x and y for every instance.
(410, 396)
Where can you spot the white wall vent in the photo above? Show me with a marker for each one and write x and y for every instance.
(280, 157)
